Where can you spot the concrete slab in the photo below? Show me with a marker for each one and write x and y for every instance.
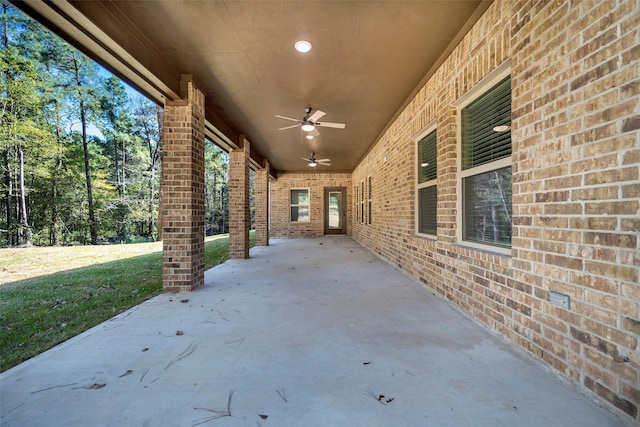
(308, 332)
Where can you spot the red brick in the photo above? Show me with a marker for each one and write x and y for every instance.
(262, 205)
(611, 397)
(183, 208)
(239, 219)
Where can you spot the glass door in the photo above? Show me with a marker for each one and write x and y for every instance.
(335, 213)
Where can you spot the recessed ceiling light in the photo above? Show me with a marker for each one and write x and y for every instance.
(303, 46)
(309, 136)
(502, 128)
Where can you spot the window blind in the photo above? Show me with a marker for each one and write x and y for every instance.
(480, 143)
(428, 201)
(427, 158)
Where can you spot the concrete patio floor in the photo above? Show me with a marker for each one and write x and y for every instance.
(308, 332)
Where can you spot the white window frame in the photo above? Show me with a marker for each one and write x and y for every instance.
(357, 204)
(363, 212)
(431, 127)
(486, 84)
(308, 205)
(369, 201)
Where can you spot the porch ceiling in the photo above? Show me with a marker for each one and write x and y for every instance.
(368, 58)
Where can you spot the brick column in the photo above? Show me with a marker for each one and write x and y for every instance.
(183, 191)
(239, 219)
(262, 205)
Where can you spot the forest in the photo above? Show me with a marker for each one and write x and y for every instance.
(80, 151)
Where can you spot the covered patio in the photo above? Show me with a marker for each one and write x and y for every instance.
(537, 238)
(307, 332)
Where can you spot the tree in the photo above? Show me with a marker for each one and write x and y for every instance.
(216, 189)
(160, 119)
(20, 118)
(114, 124)
(83, 98)
(61, 180)
(53, 116)
(79, 79)
(148, 128)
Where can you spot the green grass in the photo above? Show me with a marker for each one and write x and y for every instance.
(38, 313)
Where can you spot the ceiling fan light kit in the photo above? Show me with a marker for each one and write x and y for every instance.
(312, 162)
(310, 123)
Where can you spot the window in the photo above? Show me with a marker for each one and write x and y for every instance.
(357, 203)
(426, 187)
(299, 205)
(362, 202)
(486, 167)
(369, 208)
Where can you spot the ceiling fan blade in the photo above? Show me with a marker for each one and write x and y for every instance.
(317, 115)
(331, 125)
(289, 127)
(287, 118)
(323, 160)
(306, 160)
(325, 164)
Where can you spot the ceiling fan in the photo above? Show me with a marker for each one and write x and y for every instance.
(310, 121)
(313, 162)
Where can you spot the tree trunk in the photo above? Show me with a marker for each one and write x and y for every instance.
(8, 195)
(123, 170)
(93, 229)
(152, 178)
(55, 215)
(53, 230)
(222, 209)
(24, 223)
(116, 160)
(214, 203)
(7, 165)
(87, 172)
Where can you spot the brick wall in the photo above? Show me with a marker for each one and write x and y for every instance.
(239, 219)
(281, 226)
(576, 189)
(261, 223)
(183, 193)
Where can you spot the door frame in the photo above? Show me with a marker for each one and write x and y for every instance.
(342, 230)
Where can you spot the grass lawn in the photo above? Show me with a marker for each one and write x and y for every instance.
(48, 295)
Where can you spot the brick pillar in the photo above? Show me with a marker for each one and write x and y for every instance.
(262, 205)
(183, 191)
(239, 219)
